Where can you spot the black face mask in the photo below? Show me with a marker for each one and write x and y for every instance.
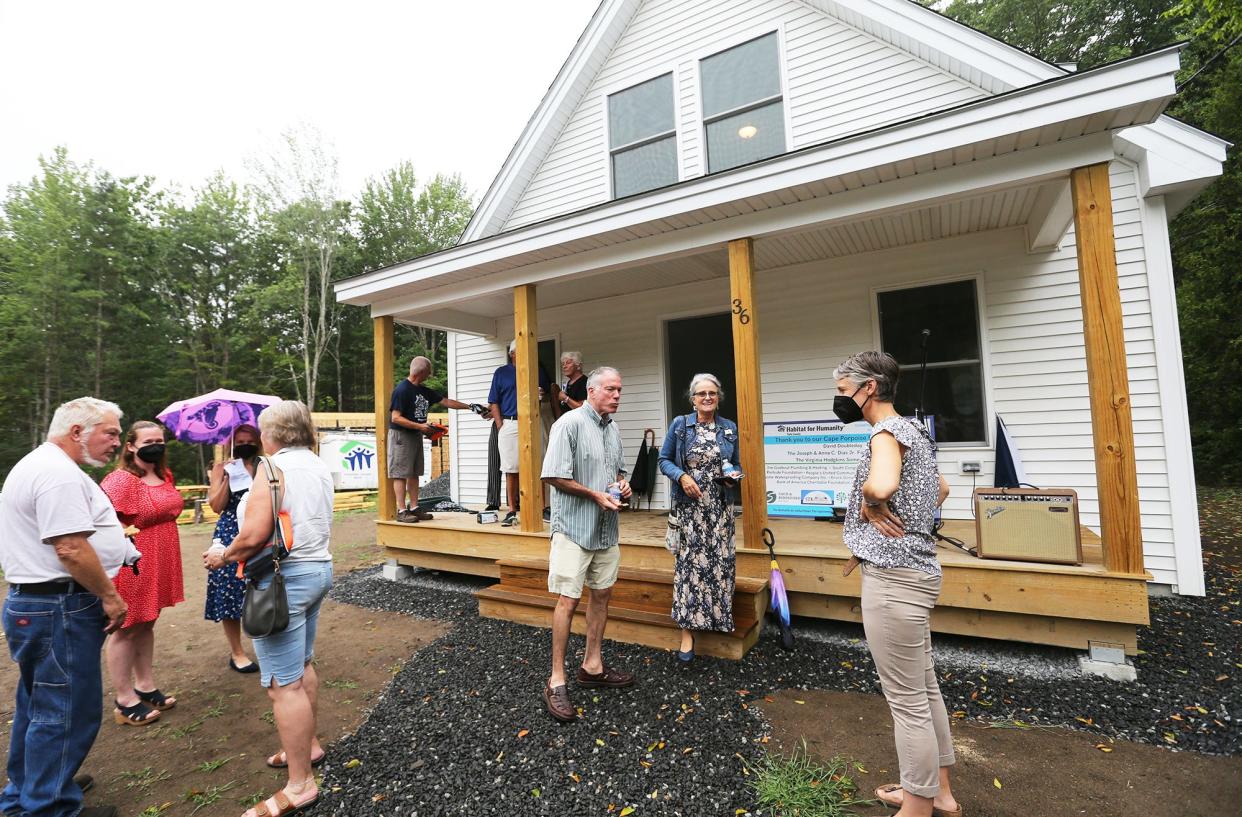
(245, 451)
(152, 453)
(846, 409)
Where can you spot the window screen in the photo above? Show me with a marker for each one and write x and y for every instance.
(642, 137)
(954, 390)
(743, 110)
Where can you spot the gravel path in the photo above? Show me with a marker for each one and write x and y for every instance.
(462, 729)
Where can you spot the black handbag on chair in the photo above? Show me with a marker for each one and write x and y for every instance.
(265, 611)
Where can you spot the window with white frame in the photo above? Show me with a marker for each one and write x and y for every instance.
(642, 137)
(743, 110)
(954, 390)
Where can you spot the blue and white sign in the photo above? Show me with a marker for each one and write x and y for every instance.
(810, 464)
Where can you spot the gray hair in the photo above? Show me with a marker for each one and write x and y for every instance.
(513, 346)
(878, 366)
(86, 412)
(420, 364)
(599, 374)
(288, 424)
(709, 377)
(576, 357)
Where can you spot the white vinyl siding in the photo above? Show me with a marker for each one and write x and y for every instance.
(815, 314)
(837, 81)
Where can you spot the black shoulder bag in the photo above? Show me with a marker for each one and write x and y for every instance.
(265, 611)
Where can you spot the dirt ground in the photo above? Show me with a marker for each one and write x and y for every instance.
(1040, 771)
(206, 756)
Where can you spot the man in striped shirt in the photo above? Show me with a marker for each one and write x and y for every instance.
(582, 462)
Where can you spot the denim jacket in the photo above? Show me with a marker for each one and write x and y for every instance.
(678, 440)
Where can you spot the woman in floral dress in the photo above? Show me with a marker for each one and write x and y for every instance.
(145, 497)
(699, 455)
(224, 590)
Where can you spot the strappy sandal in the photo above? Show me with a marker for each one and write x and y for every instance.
(890, 788)
(273, 761)
(137, 715)
(284, 806)
(156, 698)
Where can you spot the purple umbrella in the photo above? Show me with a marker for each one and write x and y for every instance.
(211, 418)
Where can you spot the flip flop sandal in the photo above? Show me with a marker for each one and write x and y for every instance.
(156, 698)
(137, 715)
(889, 788)
(284, 805)
(315, 761)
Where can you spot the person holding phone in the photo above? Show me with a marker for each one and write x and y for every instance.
(697, 456)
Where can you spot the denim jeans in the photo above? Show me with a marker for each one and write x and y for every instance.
(55, 641)
(284, 655)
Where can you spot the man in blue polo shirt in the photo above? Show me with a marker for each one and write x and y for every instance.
(504, 406)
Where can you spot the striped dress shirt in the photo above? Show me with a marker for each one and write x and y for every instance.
(586, 448)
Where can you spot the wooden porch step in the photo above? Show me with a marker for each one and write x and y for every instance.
(639, 611)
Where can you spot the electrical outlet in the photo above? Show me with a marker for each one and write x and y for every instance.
(970, 466)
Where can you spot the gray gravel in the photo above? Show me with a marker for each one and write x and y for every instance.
(447, 737)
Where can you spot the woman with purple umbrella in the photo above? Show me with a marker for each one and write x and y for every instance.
(229, 482)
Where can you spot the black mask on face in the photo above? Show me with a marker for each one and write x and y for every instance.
(846, 409)
(245, 451)
(152, 453)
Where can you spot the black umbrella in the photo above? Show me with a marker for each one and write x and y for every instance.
(642, 481)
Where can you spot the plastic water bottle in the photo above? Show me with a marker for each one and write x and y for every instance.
(614, 491)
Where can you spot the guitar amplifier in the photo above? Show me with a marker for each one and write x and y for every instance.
(1028, 525)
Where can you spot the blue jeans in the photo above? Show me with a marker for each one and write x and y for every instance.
(55, 641)
(284, 655)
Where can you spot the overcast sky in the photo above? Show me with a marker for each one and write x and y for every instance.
(177, 89)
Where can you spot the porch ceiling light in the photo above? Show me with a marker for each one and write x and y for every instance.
(747, 131)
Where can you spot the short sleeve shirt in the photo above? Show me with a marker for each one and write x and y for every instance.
(413, 400)
(47, 495)
(577, 389)
(504, 388)
(586, 448)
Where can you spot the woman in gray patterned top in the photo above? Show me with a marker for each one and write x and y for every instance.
(888, 529)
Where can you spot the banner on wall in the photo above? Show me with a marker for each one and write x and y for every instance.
(810, 464)
(351, 458)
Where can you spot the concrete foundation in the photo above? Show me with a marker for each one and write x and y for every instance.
(1107, 669)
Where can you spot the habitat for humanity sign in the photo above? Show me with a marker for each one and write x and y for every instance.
(351, 459)
(810, 464)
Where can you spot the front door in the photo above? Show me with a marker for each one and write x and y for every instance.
(703, 343)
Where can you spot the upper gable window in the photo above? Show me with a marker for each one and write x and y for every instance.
(642, 137)
(742, 109)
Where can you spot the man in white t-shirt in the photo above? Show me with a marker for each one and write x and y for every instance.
(60, 545)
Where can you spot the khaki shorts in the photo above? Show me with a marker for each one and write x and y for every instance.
(507, 445)
(570, 566)
(405, 453)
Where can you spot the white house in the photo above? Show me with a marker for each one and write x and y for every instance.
(773, 184)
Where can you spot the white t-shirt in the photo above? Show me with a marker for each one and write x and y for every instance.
(47, 495)
(307, 499)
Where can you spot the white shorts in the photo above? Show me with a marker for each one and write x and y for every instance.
(507, 445)
(570, 566)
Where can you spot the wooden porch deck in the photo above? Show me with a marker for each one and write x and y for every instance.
(1061, 605)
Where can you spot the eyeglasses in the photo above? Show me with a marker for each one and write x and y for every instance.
(703, 395)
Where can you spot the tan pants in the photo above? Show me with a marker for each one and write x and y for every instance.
(896, 612)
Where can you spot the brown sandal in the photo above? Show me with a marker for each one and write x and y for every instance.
(284, 806)
(889, 788)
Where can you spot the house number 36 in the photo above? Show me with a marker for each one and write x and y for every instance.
(743, 317)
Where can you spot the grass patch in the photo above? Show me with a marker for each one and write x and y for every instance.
(251, 800)
(210, 766)
(797, 786)
(143, 779)
(206, 797)
(269, 717)
(345, 684)
(155, 811)
(189, 729)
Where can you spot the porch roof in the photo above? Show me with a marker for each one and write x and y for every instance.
(1003, 159)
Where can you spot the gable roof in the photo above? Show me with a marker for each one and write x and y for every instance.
(955, 48)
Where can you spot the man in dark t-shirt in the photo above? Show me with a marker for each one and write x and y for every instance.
(407, 422)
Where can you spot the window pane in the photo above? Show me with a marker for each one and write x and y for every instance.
(640, 112)
(954, 397)
(644, 168)
(948, 310)
(743, 74)
(746, 137)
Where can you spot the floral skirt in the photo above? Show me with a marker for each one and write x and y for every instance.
(706, 566)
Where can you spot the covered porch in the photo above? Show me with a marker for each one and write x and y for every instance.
(1019, 170)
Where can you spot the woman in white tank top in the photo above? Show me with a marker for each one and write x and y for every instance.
(288, 435)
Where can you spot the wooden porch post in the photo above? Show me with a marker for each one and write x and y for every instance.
(749, 396)
(383, 394)
(530, 464)
(1107, 380)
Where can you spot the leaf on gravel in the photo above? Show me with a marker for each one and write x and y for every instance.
(574, 777)
(523, 733)
(799, 702)
(599, 742)
(651, 748)
(996, 782)
(1222, 677)
(1103, 748)
(353, 764)
(499, 756)
(655, 794)
(377, 798)
(627, 810)
(535, 792)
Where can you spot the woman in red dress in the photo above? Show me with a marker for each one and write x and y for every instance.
(144, 495)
